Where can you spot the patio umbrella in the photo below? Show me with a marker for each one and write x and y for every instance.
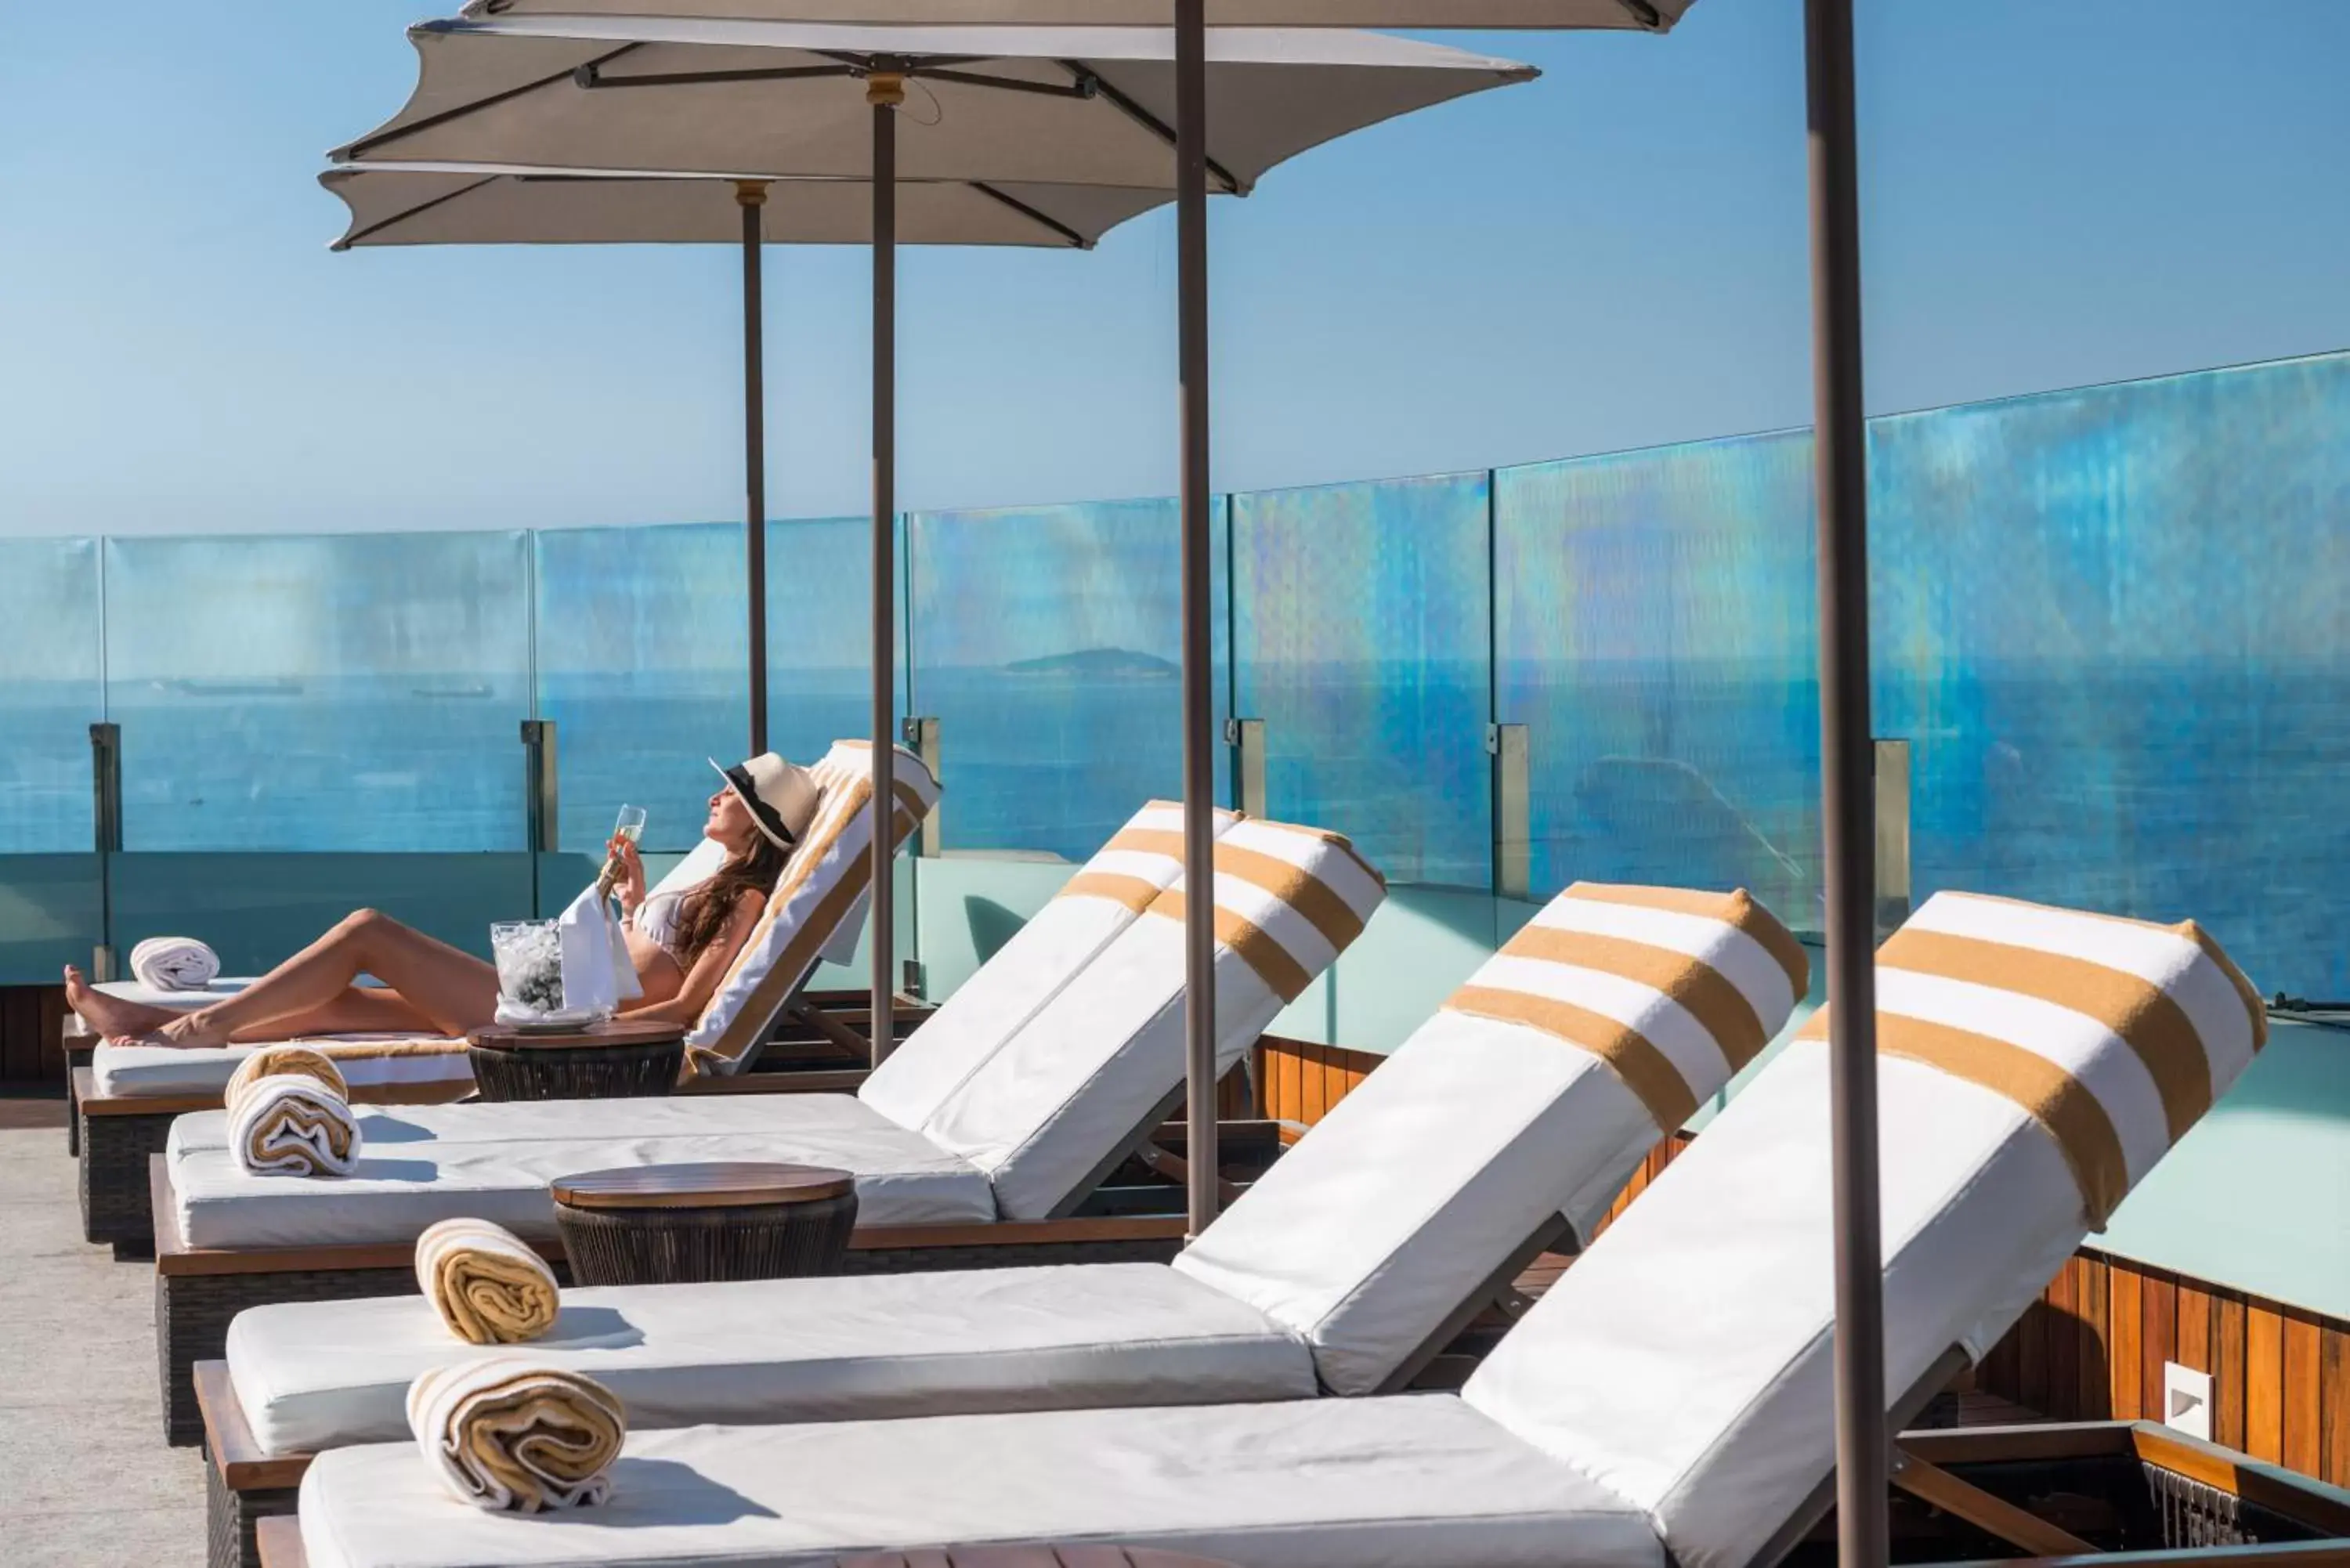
(1089, 105)
(1847, 806)
(1643, 16)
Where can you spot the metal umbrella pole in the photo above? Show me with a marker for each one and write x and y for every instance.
(884, 91)
(1199, 684)
(1847, 813)
(752, 196)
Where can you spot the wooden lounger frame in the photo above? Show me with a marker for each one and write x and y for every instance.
(2247, 1483)
(819, 1045)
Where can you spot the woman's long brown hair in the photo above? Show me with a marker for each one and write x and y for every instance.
(704, 914)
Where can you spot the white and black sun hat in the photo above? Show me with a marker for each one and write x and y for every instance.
(782, 795)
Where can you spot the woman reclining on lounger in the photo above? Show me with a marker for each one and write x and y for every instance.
(682, 943)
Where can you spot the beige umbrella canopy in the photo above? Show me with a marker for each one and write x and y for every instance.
(1644, 15)
(1075, 105)
(492, 204)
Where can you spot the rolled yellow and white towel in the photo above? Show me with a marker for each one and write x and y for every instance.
(511, 1437)
(174, 963)
(277, 1061)
(487, 1284)
(292, 1124)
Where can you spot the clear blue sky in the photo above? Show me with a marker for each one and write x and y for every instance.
(2055, 193)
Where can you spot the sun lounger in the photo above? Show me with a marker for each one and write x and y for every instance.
(1343, 1270)
(132, 1093)
(1044, 1105)
(1667, 1402)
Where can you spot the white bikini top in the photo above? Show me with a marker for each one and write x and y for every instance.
(656, 921)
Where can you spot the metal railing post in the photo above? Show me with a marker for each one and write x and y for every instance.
(1513, 839)
(541, 798)
(106, 836)
(1893, 886)
(921, 734)
(1246, 739)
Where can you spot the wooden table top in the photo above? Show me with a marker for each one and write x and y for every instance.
(726, 1184)
(623, 1031)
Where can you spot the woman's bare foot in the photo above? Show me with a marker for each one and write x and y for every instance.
(111, 1016)
(191, 1032)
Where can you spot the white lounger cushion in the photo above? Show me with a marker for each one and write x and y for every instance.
(1094, 1063)
(366, 1061)
(1105, 896)
(1686, 1360)
(1411, 1481)
(560, 1121)
(311, 1375)
(1510, 1115)
(407, 1178)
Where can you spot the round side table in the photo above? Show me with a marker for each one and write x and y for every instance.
(620, 1058)
(679, 1224)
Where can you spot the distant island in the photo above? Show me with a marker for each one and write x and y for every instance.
(1100, 664)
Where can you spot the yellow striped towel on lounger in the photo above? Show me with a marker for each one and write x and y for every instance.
(509, 1437)
(485, 1282)
(2114, 1035)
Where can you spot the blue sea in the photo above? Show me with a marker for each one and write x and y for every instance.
(2161, 792)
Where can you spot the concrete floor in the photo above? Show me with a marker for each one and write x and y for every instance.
(84, 1476)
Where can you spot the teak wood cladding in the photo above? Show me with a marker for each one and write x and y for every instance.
(32, 1034)
(2091, 1348)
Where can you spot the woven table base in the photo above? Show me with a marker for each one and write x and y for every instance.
(682, 1246)
(579, 1072)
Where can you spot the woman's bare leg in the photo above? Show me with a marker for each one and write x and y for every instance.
(450, 988)
(111, 1015)
(361, 1010)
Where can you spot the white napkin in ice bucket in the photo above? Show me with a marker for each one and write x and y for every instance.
(597, 974)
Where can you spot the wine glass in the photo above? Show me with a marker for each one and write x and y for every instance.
(630, 825)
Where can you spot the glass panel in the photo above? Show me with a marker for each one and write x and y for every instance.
(50, 916)
(348, 692)
(2110, 623)
(1360, 638)
(643, 651)
(258, 909)
(968, 907)
(1049, 647)
(820, 633)
(51, 691)
(1657, 635)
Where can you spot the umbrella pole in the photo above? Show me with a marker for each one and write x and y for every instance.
(751, 195)
(1847, 759)
(1199, 701)
(884, 91)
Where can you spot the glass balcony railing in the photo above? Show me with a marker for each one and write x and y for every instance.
(2107, 626)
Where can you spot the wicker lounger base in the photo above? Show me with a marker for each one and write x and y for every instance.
(230, 1516)
(114, 1155)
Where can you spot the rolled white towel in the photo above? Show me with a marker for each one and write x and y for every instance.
(174, 963)
(293, 1125)
(277, 1061)
(485, 1281)
(510, 1436)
